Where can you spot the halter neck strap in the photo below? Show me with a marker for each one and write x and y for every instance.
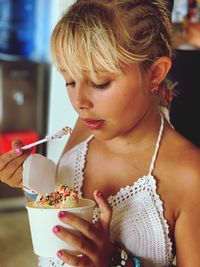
(157, 146)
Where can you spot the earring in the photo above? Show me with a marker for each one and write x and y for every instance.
(154, 88)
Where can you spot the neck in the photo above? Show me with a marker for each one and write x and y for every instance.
(141, 137)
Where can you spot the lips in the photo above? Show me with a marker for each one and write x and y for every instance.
(93, 124)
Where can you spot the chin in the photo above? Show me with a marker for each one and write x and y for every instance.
(105, 136)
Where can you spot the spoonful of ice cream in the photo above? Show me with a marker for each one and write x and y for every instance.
(58, 134)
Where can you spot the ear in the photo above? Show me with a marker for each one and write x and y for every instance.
(159, 69)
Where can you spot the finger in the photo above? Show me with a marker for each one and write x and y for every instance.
(13, 163)
(9, 168)
(105, 209)
(76, 240)
(8, 157)
(16, 178)
(72, 260)
(86, 228)
(16, 143)
(13, 154)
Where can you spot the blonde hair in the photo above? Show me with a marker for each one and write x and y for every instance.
(106, 34)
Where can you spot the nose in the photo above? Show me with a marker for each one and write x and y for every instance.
(82, 98)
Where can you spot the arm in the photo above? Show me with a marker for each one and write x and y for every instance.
(187, 229)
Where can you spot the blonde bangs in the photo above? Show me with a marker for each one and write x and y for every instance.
(88, 49)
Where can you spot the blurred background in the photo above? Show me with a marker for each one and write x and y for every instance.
(34, 103)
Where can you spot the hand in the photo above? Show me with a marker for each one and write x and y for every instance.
(11, 165)
(94, 243)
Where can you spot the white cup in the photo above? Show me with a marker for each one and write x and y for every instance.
(42, 221)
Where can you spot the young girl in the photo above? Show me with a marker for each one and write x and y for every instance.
(114, 57)
(145, 177)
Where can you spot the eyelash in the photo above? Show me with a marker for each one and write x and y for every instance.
(97, 86)
(70, 84)
(102, 86)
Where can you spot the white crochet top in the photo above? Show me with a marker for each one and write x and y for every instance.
(137, 223)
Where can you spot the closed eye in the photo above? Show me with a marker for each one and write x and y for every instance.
(72, 84)
(102, 86)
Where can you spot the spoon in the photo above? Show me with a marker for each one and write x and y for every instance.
(64, 131)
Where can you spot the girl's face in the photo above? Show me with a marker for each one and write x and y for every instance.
(110, 105)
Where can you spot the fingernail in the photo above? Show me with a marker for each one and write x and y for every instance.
(18, 151)
(56, 229)
(59, 253)
(99, 194)
(61, 214)
(17, 144)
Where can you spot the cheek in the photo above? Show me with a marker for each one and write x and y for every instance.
(71, 96)
(133, 103)
(115, 106)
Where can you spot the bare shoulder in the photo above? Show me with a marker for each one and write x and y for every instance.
(188, 172)
(183, 192)
(183, 166)
(188, 159)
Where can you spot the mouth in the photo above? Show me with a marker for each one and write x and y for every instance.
(93, 124)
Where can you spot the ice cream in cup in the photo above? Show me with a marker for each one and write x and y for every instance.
(39, 175)
(43, 216)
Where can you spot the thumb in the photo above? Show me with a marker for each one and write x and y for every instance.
(105, 209)
(16, 144)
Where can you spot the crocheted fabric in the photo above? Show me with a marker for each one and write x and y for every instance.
(137, 223)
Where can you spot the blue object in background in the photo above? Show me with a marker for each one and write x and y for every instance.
(44, 17)
(17, 27)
